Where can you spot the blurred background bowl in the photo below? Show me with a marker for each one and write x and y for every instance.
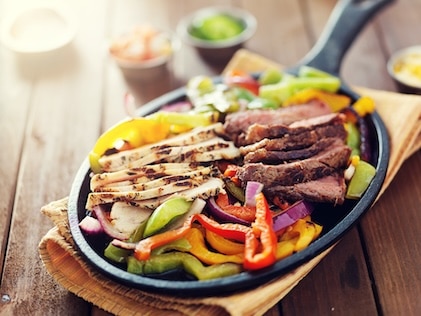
(404, 66)
(144, 52)
(38, 29)
(217, 32)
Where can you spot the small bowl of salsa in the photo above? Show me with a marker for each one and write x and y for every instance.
(217, 32)
(405, 68)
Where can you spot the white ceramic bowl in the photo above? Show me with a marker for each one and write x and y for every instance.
(404, 66)
(217, 51)
(38, 29)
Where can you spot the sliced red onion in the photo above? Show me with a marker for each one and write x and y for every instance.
(252, 189)
(109, 229)
(90, 225)
(292, 214)
(181, 106)
(221, 215)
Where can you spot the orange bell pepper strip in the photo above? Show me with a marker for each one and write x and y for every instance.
(198, 248)
(261, 238)
(228, 230)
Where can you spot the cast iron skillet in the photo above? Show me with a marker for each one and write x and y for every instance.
(346, 20)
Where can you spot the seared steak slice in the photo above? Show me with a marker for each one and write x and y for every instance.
(238, 122)
(329, 189)
(299, 140)
(257, 132)
(325, 163)
(268, 156)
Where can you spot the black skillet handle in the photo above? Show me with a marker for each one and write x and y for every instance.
(344, 24)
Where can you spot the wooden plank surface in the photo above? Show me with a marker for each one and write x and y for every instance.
(52, 112)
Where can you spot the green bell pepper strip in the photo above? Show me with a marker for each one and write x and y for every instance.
(270, 76)
(363, 175)
(181, 244)
(165, 213)
(307, 71)
(279, 92)
(353, 138)
(180, 260)
(120, 255)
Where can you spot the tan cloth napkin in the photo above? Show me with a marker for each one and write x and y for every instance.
(402, 116)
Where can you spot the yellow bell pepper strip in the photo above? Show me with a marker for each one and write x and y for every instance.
(364, 105)
(301, 233)
(307, 232)
(223, 245)
(228, 230)
(180, 260)
(198, 248)
(261, 238)
(186, 120)
(135, 131)
(335, 101)
(285, 248)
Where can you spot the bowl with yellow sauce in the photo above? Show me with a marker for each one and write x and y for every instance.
(143, 52)
(217, 32)
(405, 68)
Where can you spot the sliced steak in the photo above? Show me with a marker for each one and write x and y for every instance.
(257, 132)
(238, 122)
(330, 189)
(298, 141)
(326, 162)
(268, 156)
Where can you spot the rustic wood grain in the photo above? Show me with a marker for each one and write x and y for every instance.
(61, 104)
(393, 242)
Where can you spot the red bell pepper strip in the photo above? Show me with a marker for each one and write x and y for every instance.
(247, 213)
(262, 228)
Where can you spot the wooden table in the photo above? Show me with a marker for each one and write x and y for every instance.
(53, 108)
